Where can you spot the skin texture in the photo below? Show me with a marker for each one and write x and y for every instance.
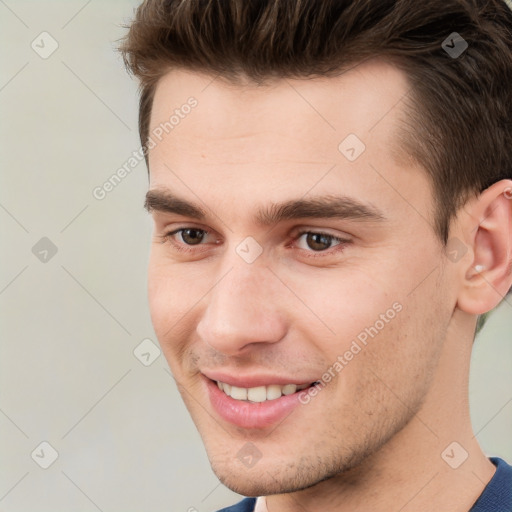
(373, 436)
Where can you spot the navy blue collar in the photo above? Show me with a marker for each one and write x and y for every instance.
(497, 495)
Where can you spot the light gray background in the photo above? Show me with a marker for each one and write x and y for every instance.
(68, 374)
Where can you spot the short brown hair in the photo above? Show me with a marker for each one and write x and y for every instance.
(459, 124)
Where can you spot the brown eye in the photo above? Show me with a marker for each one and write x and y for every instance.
(192, 236)
(318, 241)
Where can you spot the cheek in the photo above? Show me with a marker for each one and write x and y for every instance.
(171, 288)
(175, 295)
(380, 332)
(159, 294)
(345, 306)
(169, 299)
(400, 361)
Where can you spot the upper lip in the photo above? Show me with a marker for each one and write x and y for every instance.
(253, 380)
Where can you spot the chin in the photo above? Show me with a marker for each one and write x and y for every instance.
(270, 478)
(253, 486)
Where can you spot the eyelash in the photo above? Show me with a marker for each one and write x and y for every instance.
(185, 248)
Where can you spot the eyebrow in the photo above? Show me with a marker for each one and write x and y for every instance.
(321, 207)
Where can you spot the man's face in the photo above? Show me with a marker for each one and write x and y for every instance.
(255, 295)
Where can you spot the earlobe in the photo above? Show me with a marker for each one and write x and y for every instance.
(487, 229)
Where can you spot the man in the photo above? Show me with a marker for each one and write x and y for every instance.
(331, 189)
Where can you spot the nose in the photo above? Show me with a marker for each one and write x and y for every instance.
(243, 309)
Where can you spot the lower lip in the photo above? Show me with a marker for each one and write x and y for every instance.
(249, 414)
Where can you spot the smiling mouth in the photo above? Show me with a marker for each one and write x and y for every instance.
(261, 393)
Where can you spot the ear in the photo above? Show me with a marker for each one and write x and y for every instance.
(485, 273)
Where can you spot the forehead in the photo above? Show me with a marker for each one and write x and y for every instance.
(289, 136)
(360, 100)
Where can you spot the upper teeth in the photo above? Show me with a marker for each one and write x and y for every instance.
(260, 393)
